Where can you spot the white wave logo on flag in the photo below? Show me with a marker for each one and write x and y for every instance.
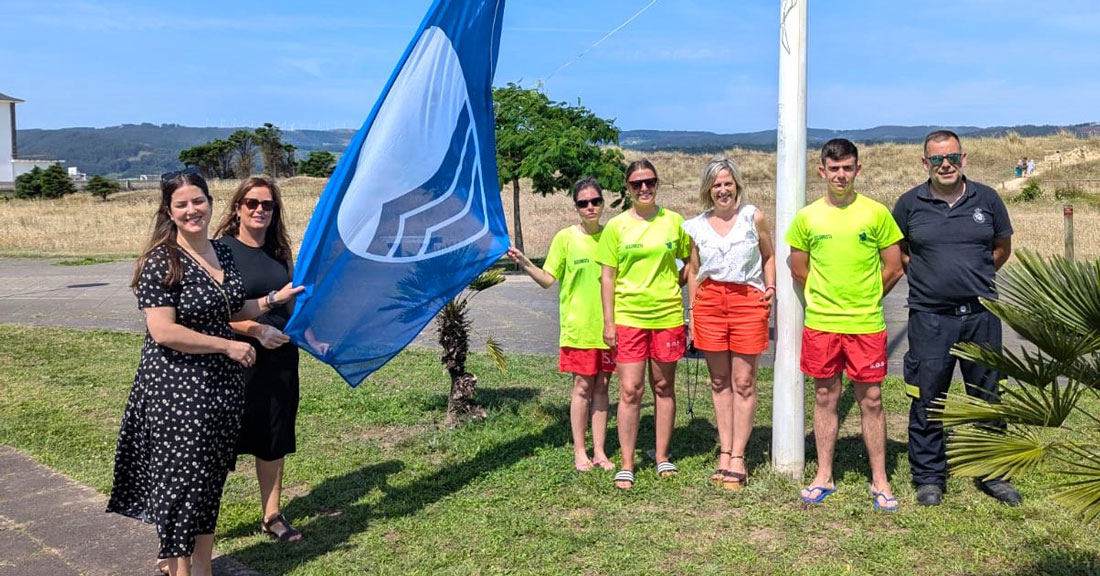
(419, 171)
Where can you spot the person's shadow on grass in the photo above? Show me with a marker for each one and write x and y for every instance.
(338, 513)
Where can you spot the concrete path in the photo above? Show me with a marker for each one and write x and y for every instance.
(518, 313)
(52, 526)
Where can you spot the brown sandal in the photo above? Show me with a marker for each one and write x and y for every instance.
(288, 533)
(735, 481)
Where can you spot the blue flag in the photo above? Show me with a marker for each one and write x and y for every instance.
(412, 212)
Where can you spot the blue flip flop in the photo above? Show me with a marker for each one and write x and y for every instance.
(820, 493)
(891, 504)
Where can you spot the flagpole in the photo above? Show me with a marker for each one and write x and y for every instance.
(788, 417)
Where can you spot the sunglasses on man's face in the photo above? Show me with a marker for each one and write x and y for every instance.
(252, 204)
(597, 201)
(636, 185)
(955, 159)
(176, 174)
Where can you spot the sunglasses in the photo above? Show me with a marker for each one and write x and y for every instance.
(636, 185)
(597, 201)
(176, 174)
(252, 204)
(955, 158)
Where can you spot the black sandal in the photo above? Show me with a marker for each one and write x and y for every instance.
(289, 533)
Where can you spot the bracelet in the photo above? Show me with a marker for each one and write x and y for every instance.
(772, 288)
(271, 299)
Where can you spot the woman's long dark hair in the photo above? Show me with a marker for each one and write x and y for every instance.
(164, 228)
(276, 242)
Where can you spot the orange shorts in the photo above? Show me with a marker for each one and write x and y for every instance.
(730, 316)
(660, 344)
(862, 356)
(586, 361)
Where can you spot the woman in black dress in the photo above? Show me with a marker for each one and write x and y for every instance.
(254, 230)
(176, 442)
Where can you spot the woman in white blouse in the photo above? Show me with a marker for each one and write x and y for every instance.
(731, 286)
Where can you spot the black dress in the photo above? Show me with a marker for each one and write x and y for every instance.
(271, 385)
(175, 445)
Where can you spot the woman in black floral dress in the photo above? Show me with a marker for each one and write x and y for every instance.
(176, 442)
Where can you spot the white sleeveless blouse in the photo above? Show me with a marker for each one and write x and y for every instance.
(734, 257)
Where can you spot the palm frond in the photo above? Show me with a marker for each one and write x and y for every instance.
(487, 279)
(1022, 404)
(1082, 496)
(496, 352)
(1045, 331)
(1059, 289)
(984, 453)
(1027, 366)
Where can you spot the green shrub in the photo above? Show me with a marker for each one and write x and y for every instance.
(1030, 192)
(101, 186)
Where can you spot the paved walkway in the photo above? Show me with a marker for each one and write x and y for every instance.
(518, 313)
(53, 526)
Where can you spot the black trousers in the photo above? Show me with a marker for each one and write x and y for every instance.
(929, 366)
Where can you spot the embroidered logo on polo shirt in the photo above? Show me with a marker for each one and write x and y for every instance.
(862, 236)
(979, 216)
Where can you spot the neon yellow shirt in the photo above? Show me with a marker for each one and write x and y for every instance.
(572, 262)
(644, 252)
(844, 288)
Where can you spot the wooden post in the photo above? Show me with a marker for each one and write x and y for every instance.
(1067, 212)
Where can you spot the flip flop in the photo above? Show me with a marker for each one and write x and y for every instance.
(817, 494)
(624, 476)
(891, 504)
(604, 464)
(666, 469)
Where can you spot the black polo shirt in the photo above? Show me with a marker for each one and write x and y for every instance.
(951, 248)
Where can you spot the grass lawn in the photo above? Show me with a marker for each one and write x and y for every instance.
(378, 485)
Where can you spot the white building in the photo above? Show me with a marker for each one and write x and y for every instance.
(7, 140)
(11, 166)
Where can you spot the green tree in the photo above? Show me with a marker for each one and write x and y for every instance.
(1054, 304)
(29, 184)
(288, 166)
(101, 186)
(214, 158)
(56, 182)
(319, 163)
(270, 140)
(243, 143)
(553, 144)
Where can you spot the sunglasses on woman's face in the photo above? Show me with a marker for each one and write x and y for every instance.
(636, 185)
(597, 201)
(252, 204)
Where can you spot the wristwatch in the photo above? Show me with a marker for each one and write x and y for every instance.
(271, 299)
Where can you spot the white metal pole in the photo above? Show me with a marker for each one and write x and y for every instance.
(788, 417)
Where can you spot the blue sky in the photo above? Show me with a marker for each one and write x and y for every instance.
(681, 65)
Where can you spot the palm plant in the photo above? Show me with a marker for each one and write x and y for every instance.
(454, 336)
(1048, 400)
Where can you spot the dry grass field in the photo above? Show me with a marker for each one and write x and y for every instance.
(81, 225)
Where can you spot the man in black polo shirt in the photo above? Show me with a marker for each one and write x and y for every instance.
(957, 234)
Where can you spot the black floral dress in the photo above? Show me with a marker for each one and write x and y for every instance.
(175, 445)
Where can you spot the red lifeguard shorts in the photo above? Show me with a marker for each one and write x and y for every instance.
(861, 356)
(586, 361)
(660, 344)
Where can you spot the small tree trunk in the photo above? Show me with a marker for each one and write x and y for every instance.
(461, 404)
(518, 228)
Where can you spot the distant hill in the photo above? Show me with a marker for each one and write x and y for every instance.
(134, 149)
(683, 141)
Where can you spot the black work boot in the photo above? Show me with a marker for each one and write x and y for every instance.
(929, 494)
(1002, 490)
